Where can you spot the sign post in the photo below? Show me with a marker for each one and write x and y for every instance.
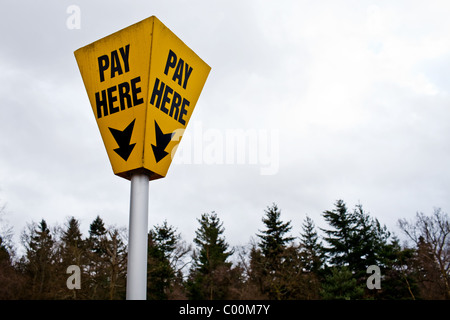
(143, 83)
(137, 241)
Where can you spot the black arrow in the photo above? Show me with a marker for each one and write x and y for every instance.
(123, 140)
(162, 140)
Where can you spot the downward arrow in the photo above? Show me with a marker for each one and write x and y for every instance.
(162, 140)
(123, 140)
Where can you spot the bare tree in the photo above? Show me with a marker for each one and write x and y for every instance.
(434, 232)
(116, 259)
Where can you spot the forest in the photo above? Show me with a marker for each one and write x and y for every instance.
(329, 263)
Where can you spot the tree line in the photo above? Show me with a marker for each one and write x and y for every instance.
(319, 263)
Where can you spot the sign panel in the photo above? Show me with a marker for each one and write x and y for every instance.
(143, 83)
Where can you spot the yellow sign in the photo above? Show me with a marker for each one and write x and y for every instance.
(143, 83)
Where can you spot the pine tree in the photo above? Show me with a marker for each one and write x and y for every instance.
(72, 252)
(341, 237)
(209, 276)
(340, 284)
(97, 281)
(399, 274)
(370, 240)
(357, 241)
(164, 249)
(310, 246)
(213, 247)
(275, 264)
(273, 239)
(40, 263)
(72, 243)
(97, 234)
(312, 259)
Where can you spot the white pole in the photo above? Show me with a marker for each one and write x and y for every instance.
(137, 240)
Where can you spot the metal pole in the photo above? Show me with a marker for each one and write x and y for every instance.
(137, 240)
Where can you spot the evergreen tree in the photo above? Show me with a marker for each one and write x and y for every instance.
(340, 284)
(312, 259)
(164, 279)
(97, 268)
(310, 246)
(97, 234)
(275, 264)
(209, 276)
(72, 252)
(357, 241)
(273, 239)
(399, 277)
(72, 243)
(39, 263)
(370, 240)
(341, 237)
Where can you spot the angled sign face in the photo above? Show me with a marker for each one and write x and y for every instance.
(143, 83)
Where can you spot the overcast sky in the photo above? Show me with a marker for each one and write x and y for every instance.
(329, 99)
